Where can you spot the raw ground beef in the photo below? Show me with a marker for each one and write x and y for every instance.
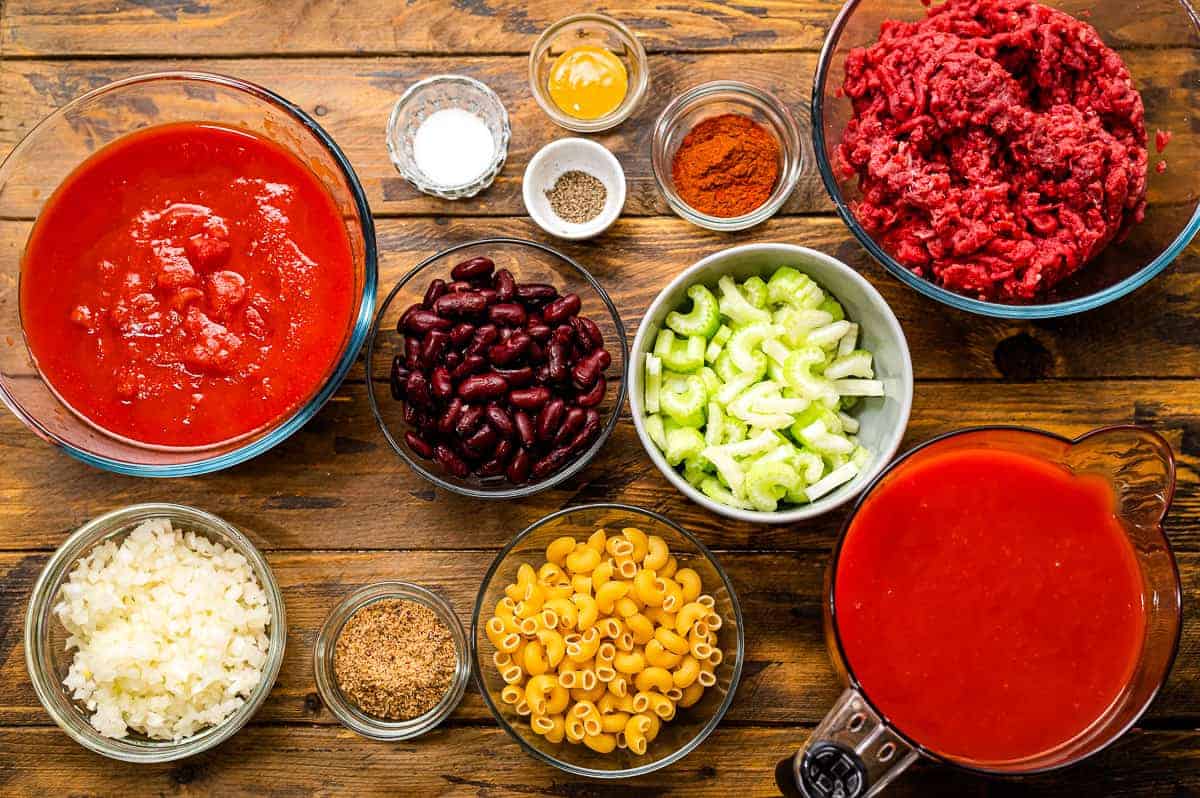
(999, 145)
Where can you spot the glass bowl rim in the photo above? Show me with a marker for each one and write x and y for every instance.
(417, 178)
(706, 730)
(791, 143)
(830, 607)
(86, 538)
(520, 491)
(325, 646)
(997, 310)
(358, 331)
(633, 99)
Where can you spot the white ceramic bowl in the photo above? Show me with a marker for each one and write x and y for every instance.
(882, 420)
(566, 155)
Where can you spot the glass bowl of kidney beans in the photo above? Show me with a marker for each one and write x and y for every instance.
(495, 368)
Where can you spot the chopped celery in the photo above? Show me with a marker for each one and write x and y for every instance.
(849, 341)
(713, 489)
(712, 383)
(849, 423)
(734, 305)
(768, 482)
(829, 335)
(703, 319)
(831, 481)
(734, 387)
(683, 443)
(653, 382)
(716, 344)
(654, 428)
(694, 471)
(833, 308)
(714, 428)
(680, 354)
(683, 399)
(756, 291)
(858, 387)
(854, 364)
(744, 345)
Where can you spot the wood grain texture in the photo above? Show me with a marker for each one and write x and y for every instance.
(787, 677)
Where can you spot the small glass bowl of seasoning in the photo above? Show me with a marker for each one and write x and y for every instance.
(726, 155)
(392, 661)
(574, 188)
(448, 136)
(588, 72)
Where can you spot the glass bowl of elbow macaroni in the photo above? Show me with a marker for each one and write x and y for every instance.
(608, 641)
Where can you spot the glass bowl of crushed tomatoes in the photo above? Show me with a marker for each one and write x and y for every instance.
(1013, 159)
(470, 397)
(189, 272)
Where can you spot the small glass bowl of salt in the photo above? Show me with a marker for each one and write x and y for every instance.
(448, 136)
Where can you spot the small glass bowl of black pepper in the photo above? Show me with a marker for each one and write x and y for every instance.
(343, 707)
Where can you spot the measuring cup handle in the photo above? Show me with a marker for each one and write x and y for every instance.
(852, 754)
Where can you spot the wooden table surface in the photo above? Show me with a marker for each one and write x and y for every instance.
(334, 508)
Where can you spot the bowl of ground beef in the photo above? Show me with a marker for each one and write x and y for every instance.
(1013, 158)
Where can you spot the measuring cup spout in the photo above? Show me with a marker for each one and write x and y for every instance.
(1140, 465)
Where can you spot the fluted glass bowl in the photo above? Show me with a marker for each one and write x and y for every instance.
(48, 660)
(67, 137)
(1160, 43)
(529, 262)
(691, 726)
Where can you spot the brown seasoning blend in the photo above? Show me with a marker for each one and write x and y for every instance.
(395, 659)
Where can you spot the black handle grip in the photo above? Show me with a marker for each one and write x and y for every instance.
(825, 770)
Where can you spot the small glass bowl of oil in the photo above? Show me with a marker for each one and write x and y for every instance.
(588, 72)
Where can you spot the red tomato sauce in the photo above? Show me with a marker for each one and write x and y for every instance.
(989, 603)
(187, 284)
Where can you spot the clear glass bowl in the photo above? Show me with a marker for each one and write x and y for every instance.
(63, 140)
(691, 726)
(435, 94)
(48, 660)
(713, 99)
(601, 31)
(344, 709)
(1163, 41)
(529, 262)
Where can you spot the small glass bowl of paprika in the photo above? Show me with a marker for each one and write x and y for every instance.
(694, 138)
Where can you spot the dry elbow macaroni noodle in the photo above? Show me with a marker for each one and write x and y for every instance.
(605, 641)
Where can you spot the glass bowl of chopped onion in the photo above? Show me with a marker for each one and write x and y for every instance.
(154, 632)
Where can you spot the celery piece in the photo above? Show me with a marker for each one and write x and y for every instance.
(664, 342)
(654, 428)
(716, 344)
(755, 291)
(858, 387)
(714, 425)
(683, 355)
(653, 383)
(712, 383)
(833, 308)
(854, 364)
(683, 400)
(799, 376)
(727, 368)
(745, 342)
(735, 430)
(734, 387)
(781, 404)
(788, 286)
(831, 481)
(768, 482)
(849, 341)
(713, 489)
(734, 305)
(727, 466)
(817, 437)
(776, 349)
(828, 336)
(762, 442)
(683, 443)
(695, 471)
(849, 423)
(703, 319)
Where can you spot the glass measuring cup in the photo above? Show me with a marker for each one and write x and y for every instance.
(857, 751)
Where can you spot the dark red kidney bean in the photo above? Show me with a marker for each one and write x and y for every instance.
(541, 374)
(591, 427)
(419, 445)
(505, 285)
(422, 321)
(594, 395)
(509, 313)
(556, 360)
(484, 337)
(538, 332)
(472, 364)
(549, 419)
(398, 378)
(473, 269)
(417, 390)
(451, 415)
(588, 370)
(411, 415)
(499, 418)
(490, 295)
(506, 333)
(402, 322)
(550, 463)
(440, 383)
(529, 398)
(412, 352)
(572, 422)
(467, 303)
(432, 347)
(524, 425)
(536, 293)
(468, 420)
(452, 360)
(435, 290)
(459, 286)
(587, 332)
(499, 461)
(562, 309)
(428, 425)
(483, 440)
(451, 461)
(536, 354)
(518, 377)
(461, 333)
(518, 469)
(480, 387)
(508, 351)
(564, 333)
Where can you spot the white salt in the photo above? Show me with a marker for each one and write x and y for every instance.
(453, 147)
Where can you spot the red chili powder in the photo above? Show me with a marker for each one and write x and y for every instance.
(999, 146)
(726, 166)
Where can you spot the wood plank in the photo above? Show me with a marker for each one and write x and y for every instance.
(337, 485)
(352, 98)
(637, 257)
(282, 761)
(787, 676)
(237, 27)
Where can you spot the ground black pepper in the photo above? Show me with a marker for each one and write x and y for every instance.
(577, 196)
